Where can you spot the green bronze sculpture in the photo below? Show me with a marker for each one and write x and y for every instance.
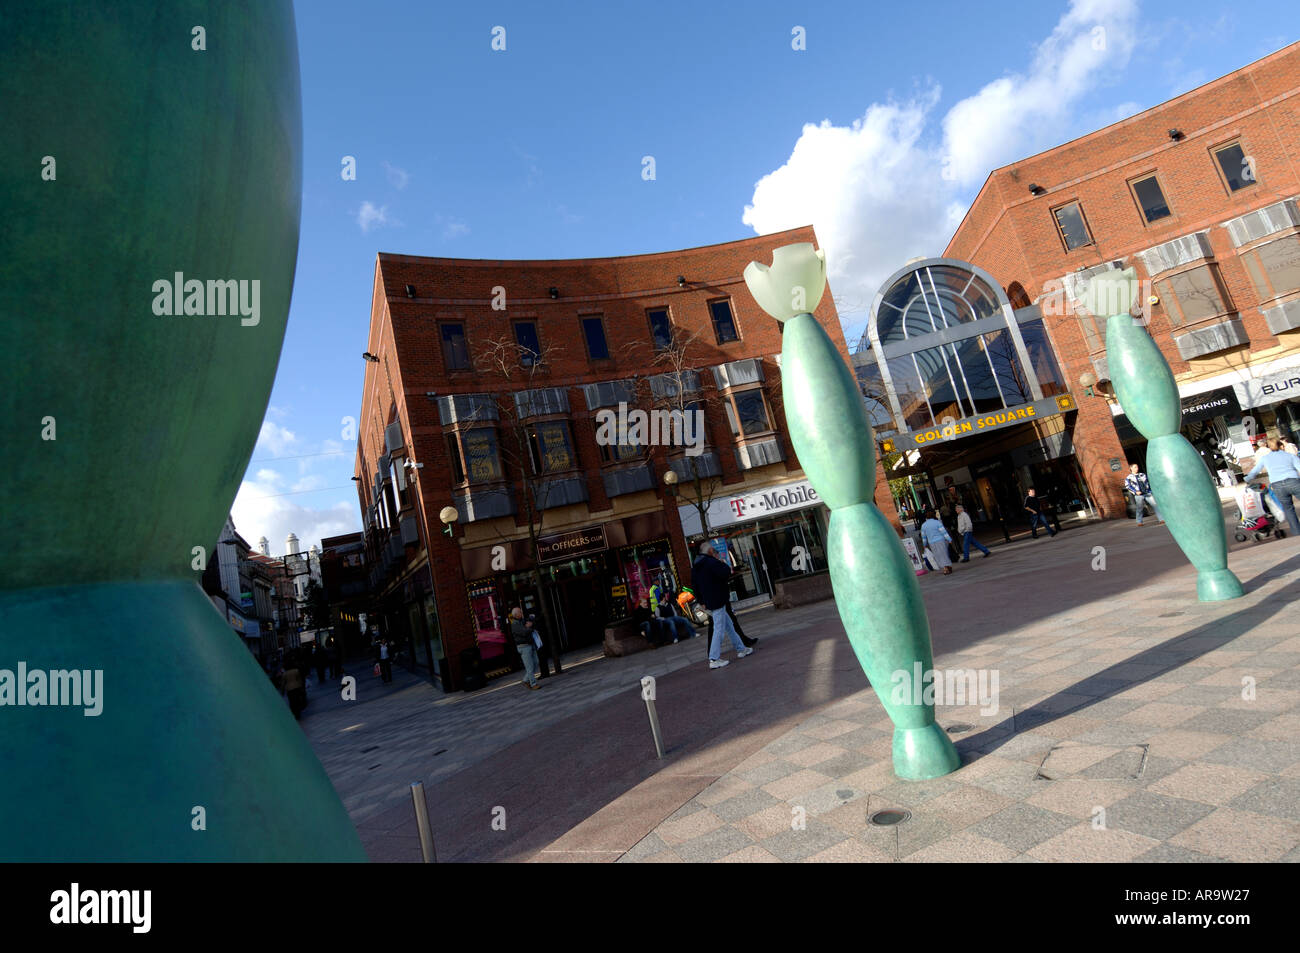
(150, 196)
(1145, 387)
(875, 586)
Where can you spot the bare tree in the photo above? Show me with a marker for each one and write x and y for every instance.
(674, 390)
(530, 451)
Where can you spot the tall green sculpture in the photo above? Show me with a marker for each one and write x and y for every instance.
(875, 586)
(1148, 393)
(150, 192)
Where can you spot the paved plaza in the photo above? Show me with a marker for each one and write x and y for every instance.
(1133, 723)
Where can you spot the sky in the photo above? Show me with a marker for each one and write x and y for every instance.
(879, 132)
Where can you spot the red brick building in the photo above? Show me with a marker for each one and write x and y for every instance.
(1200, 195)
(484, 393)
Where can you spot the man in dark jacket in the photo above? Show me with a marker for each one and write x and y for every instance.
(709, 580)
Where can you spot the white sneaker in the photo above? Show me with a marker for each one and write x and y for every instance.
(718, 663)
(743, 652)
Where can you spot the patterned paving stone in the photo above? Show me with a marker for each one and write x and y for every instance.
(713, 846)
(1084, 843)
(1240, 836)
(1022, 826)
(1208, 783)
(1155, 815)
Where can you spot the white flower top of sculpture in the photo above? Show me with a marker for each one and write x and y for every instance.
(792, 285)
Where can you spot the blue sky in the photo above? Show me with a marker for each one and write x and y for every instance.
(880, 132)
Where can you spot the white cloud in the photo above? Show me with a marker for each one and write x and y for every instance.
(1023, 113)
(258, 512)
(274, 441)
(455, 230)
(373, 216)
(894, 184)
(397, 178)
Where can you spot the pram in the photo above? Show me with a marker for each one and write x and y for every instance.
(1256, 520)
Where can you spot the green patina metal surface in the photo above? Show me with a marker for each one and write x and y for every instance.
(1183, 490)
(167, 159)
(876, 591)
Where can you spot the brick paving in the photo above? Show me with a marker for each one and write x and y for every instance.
(1122, 731)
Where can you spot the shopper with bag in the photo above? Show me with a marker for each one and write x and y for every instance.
(936, 541)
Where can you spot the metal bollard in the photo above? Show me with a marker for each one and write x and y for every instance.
(422, 821)
(648, 693)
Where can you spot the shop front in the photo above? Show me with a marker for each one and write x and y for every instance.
(589, 577)
(770, 535)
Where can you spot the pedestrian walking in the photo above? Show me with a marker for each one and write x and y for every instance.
(1138, 486)
(1283, 479)
(709, 580)
(386, 659)
(936, 539)
(295, 685)
(967, 531)
(318, 656)
(522, 633)
(1034, 507)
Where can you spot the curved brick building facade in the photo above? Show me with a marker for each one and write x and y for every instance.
(440, 419)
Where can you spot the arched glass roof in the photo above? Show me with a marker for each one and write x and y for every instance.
(930, 298)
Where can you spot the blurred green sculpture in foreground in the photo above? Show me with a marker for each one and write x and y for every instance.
(150, 194)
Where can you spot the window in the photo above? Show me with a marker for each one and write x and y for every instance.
(455, 352)
(1274, 266)
(474, 456)
(593, 330)
(661, 329)
(1193, 295)
(1150, 198)
(748, 413)
(1072, 226)
(1238, 170)
(617, 452)
(550, 448)
(530, 348)
(724, 325)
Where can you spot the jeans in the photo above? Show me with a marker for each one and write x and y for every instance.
(1284, 490)
(1034, 520)
(969, 540)
(654, 632)
(1143, 501)
(679, 627)
(721, 624)
(528, 653)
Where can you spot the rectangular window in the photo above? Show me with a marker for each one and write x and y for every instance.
(1238, 171)
(661, 329)
(550, 447)
(1071, 226)
(593, 330)
(1193, 295)
(724, 325)
(1150, 198)
(530, 348)
(750, 416)
(482, 459)
(1275, 266)
(455, 352)
(617, 452)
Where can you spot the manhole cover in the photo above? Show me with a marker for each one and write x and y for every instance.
(1094, 762)
(889, 818)
(959, 728)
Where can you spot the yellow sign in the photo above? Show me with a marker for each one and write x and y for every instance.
(618, 591)
(996, 420)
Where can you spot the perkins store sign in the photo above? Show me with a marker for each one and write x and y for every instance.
(981, 423)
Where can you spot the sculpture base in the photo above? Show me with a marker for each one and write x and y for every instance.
(1218, 586)
(181, 751)
(923, 753)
